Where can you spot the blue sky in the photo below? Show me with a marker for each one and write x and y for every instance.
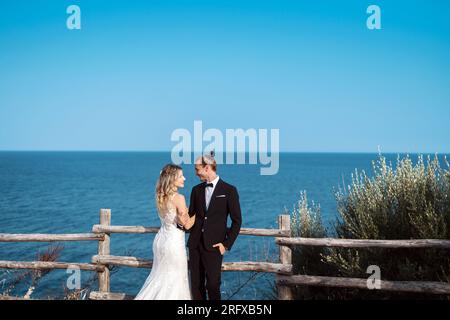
(137, 70)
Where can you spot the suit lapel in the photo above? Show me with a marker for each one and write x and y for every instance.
(213, 196)
(202, 197)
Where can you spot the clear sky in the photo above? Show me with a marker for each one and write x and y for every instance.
(138, 70)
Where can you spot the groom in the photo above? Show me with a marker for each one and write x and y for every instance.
(212, 201)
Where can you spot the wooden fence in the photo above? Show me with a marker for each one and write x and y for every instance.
(283, 269)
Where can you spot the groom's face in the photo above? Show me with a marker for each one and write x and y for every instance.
(201, 171)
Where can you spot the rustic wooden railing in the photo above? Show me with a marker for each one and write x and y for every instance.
(102, 261)
(399, 286)
(285, 280)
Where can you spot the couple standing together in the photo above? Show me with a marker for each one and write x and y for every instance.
(206, 219)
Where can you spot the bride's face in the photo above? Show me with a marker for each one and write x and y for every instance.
(179, 181)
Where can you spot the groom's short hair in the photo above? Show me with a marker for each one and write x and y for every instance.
(206, 160)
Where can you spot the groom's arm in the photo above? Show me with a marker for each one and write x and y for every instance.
(236, 218)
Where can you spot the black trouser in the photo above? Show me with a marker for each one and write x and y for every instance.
(206, 270)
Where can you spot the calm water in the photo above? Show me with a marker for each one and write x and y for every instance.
(62, 192)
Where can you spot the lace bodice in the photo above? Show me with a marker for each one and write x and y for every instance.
(169, 216)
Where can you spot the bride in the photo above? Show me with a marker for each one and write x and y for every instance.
(169, 279)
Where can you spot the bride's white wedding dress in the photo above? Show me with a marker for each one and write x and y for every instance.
(169, 278)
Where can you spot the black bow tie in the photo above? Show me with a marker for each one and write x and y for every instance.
(209, 185)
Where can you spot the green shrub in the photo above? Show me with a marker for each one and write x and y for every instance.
(410, 201)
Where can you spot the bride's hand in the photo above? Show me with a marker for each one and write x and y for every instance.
(183, 212)
(190, 221)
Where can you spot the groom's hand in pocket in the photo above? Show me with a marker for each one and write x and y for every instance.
(221, 247)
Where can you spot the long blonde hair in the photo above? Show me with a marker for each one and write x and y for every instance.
(165, 187)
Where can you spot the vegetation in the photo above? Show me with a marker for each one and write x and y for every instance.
(408, 201)
(13, 282)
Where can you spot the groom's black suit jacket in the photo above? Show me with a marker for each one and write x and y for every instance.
(213, 222)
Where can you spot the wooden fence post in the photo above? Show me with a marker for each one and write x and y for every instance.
(284, 223)
(104, 249)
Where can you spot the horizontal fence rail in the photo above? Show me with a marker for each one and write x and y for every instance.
(141, 229)
(398, 286)
(96, 295)
(124, 261)
(362, 243)
(226, 266)
(44, 265)
(42, 237)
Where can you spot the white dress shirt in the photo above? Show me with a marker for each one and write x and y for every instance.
(209, 191)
